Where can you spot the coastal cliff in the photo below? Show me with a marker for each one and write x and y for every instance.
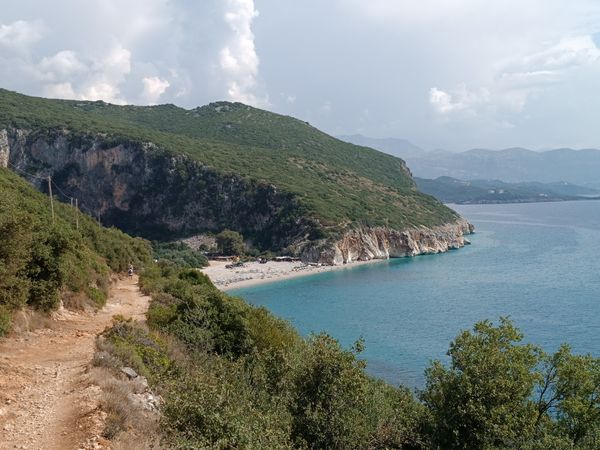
(368, 243)
(143, 190)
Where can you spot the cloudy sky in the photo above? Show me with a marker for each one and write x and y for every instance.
(451, 74)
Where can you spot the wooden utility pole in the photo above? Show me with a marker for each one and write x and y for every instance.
(77, 213)
(51, 200)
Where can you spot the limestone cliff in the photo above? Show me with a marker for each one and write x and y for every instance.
(365, 243)
(4, 149)
(147, 191)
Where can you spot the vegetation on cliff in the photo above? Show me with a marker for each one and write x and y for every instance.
(336, 183)
(41, 261)
(233, 376)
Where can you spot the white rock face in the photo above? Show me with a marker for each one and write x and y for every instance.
(365, 244)
(4, 149)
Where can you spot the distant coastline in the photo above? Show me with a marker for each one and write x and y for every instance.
(509, 202)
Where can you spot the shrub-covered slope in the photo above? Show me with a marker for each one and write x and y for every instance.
(39, 261)
(335, 183)
(233, 376)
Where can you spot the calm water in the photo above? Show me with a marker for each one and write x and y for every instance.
(537, 263)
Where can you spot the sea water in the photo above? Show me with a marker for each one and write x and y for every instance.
(538, 264)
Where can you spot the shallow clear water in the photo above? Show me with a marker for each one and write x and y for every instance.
(537, 263)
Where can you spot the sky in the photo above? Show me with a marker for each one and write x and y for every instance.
(451, 74)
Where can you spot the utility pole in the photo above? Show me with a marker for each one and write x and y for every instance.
(77, 213)
(51, 201)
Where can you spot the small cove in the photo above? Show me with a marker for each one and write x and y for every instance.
(536, 263)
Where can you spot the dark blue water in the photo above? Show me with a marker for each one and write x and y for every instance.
(537, 263)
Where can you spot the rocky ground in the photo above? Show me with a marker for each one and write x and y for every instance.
(48, 399)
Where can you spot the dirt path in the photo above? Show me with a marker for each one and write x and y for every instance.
(46, 398)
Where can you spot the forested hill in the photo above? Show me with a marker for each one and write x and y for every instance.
(42, 262)
(274, 178)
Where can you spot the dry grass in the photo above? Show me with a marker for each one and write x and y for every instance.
(26, 320)
(76, 301)
(128, 423)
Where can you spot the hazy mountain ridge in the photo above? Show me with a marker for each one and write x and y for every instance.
(513, 165)
(401, 148)
(453, 190)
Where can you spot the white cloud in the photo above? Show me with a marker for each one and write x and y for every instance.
(116, 64)
(569, 52)
(518, 79)
(98, 79)
(442, 101)
(460, 100)
(206, 50)
(20, 35)
(60, 90)
(238, 59)
(154, 87)
(62, 65)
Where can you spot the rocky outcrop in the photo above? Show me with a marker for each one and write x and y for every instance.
(146, 191)
(4, 149)
(365, 243)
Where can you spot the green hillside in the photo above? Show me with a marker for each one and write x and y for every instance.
(41, 262)
(336, 182)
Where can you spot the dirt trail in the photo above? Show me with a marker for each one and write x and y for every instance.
(46, 398)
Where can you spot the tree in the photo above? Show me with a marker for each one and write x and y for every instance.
(329, 397)
(484, 399)
(230, 243)
(569, 393)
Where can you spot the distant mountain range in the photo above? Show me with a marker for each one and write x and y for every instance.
(512, 165)
(452, 190)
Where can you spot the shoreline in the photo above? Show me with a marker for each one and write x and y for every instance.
(254, 274)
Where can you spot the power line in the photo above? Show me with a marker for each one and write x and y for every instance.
(63, 192)
(26, 173)
(51, 183)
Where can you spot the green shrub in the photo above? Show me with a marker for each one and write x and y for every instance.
(179, 254)
(5, 319)
(234, 376)
(330, 397)
(40, 260)
(230, 243)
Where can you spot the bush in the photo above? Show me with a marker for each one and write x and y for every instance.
(5, 319)
(40, 260)
(484, 399)
(247, 380)
(330, 397)
(230, 243)
(179, 254)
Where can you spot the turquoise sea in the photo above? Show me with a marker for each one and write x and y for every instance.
(538, 263)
